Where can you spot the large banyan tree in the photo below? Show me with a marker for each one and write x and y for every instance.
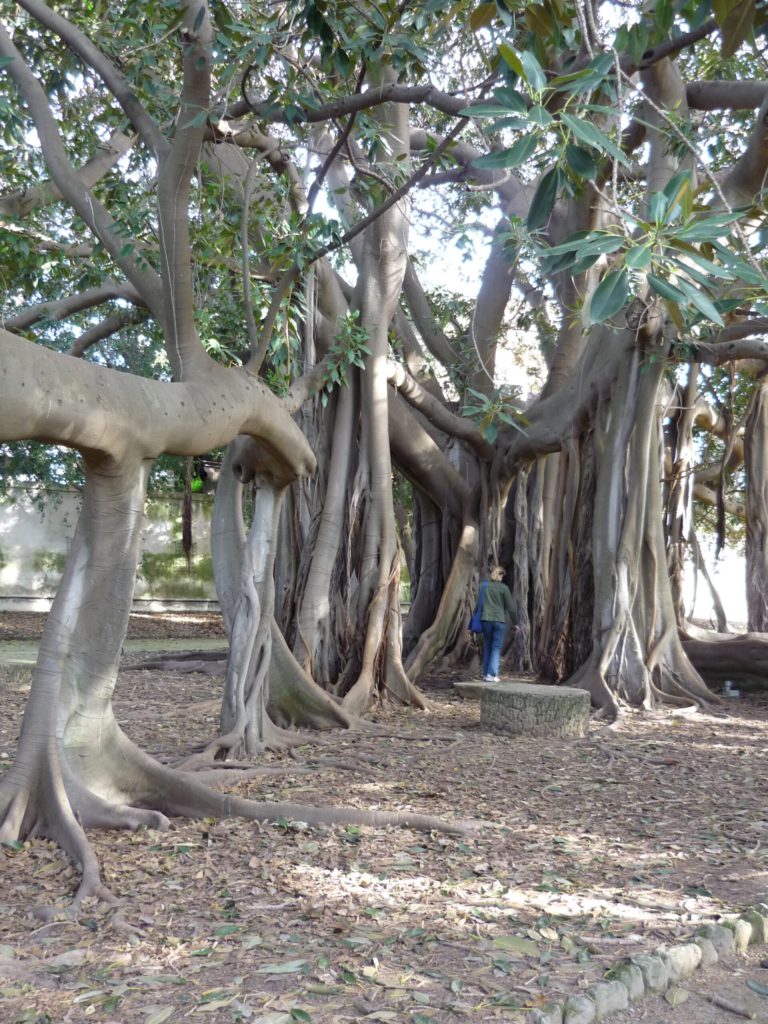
(243, 228)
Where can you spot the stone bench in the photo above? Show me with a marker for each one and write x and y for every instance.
(530, 709)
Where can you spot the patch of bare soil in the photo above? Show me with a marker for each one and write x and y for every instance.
(591, 851)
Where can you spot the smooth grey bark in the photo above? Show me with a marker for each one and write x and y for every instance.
(756, 545)
(679, 499)
(291, 698)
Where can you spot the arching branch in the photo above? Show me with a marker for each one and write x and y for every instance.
(71, 304)
(69, 183)
(105, 329)
(24, 201)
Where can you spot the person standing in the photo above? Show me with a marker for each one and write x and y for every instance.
(496, 606)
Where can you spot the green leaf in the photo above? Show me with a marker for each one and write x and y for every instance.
(713, 269)
(288, 967)
(665, 289)
(587, 78)
(691, 272)
(586, 132)
(538, 20)
(571, 244)
(701, 301)
(540, 116)
(679, 193)
(510, 56)
(633, 41)
(544, 199)
(741, 268)
(663, 15)
(533, 72)
(639, 257)
(580, 162)
(482, 16)
(609, 296)
(710, 227)
(758, 987)
(582, 249)
(516, 122)
(657, 208)
(486, 110)
(516, 944)
(509, 95)
(512, 157)
(737, 27)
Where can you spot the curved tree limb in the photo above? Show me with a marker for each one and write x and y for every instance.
(671, 47)
(105, 329)
(62, 308)
(352, 104)
(69, 183)
(436, 412)
(733, 342)
(436, 341)
(746, 178)
(727, 95)
(111, 424)
(707, 496)
(22, 202)
(185, 351)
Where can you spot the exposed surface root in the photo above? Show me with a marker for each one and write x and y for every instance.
(183, 795)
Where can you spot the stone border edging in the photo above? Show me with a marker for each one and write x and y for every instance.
(651, 974)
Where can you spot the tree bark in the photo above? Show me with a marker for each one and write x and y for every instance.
(756, 547)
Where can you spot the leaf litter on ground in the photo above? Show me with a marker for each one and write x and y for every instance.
(601, 849)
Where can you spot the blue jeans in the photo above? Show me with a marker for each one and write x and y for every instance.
(493, 638)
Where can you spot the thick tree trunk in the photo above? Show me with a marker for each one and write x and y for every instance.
(636, 654)
(67, 775)
(317, 616)
(679, 500)
(243, 573)
(756, 468)
(427, 577)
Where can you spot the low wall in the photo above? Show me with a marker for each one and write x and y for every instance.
(36, 532)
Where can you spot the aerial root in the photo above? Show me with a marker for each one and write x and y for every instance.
(216, 753)
(12, 815)
(218, 777)
(94, 811)
(182, 794)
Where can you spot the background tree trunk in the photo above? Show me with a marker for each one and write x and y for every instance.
(756, 547)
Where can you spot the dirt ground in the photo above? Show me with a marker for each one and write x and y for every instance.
(590, 851)
(141, 626)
